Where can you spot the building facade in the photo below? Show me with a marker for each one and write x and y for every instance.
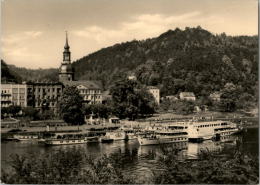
(155, 92)
(44, 94)
(13, 94)
(89, 90)
(187, 96)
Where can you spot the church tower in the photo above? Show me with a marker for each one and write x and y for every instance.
(65, 71)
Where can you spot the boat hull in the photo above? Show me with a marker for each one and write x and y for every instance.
(65, 142)
(157, 141)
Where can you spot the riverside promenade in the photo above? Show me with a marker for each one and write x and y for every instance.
(72, 128)
(247, 122)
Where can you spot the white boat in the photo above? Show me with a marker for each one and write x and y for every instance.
(163, 137)
(198, 131)
(25, 137)
(130, 133)
(116, 135)
(92, 137)
(66, 139)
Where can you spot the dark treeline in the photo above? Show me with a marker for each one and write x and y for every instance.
(8, 75)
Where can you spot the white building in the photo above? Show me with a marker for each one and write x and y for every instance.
(13, 94)
(155, 92)
(187, 96)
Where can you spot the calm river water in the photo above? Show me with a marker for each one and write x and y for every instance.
(143, 164)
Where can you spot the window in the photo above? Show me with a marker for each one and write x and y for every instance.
(15, 90)
(22, 90)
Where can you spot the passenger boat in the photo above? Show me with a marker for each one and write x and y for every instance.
(92, 137)
(204, 130)
(130, 133)
(105, 139)
(116, 135)
(23, 137)
(66, 139)
(163, 136)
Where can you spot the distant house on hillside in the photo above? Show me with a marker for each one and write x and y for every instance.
(215, 96)
(155, 92)
(187, 96)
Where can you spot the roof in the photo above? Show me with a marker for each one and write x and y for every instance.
(87, 84)
(187, 94)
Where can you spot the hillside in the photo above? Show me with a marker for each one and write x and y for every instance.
(8, 75)
(42, 75)
(178, 60)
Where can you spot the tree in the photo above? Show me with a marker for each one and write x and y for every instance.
(30, 112)
(98, 110)
(228, 98)
(14, 109)
(71, 106)
(129, 100)
(147, 104)
(245, 101)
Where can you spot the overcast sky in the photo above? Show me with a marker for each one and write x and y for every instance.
(33, 31)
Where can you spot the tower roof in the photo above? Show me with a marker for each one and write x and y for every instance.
(66, 44)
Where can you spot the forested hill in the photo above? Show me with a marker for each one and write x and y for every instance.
(8, 75)
(11, 73)
(192, 60)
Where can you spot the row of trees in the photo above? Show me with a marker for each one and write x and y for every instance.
(27, 112)
(129, 100)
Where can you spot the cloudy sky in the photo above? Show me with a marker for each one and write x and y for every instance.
(33, 31)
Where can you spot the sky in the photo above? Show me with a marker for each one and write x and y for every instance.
(33, 31)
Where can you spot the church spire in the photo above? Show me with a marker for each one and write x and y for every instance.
(66, 44)
(65, 71)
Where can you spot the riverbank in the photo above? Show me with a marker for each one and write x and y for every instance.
(238, 117)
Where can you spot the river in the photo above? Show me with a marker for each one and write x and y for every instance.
(143, 164)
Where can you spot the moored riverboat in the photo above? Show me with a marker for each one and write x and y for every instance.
(25, 137)
(92, 137)
(65, 139)
(205, 130)
(163, 136)
(130, 133)
(116, 135)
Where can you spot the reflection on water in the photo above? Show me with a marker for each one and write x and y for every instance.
(143, 164)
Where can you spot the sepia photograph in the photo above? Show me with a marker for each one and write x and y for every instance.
(129, 92)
